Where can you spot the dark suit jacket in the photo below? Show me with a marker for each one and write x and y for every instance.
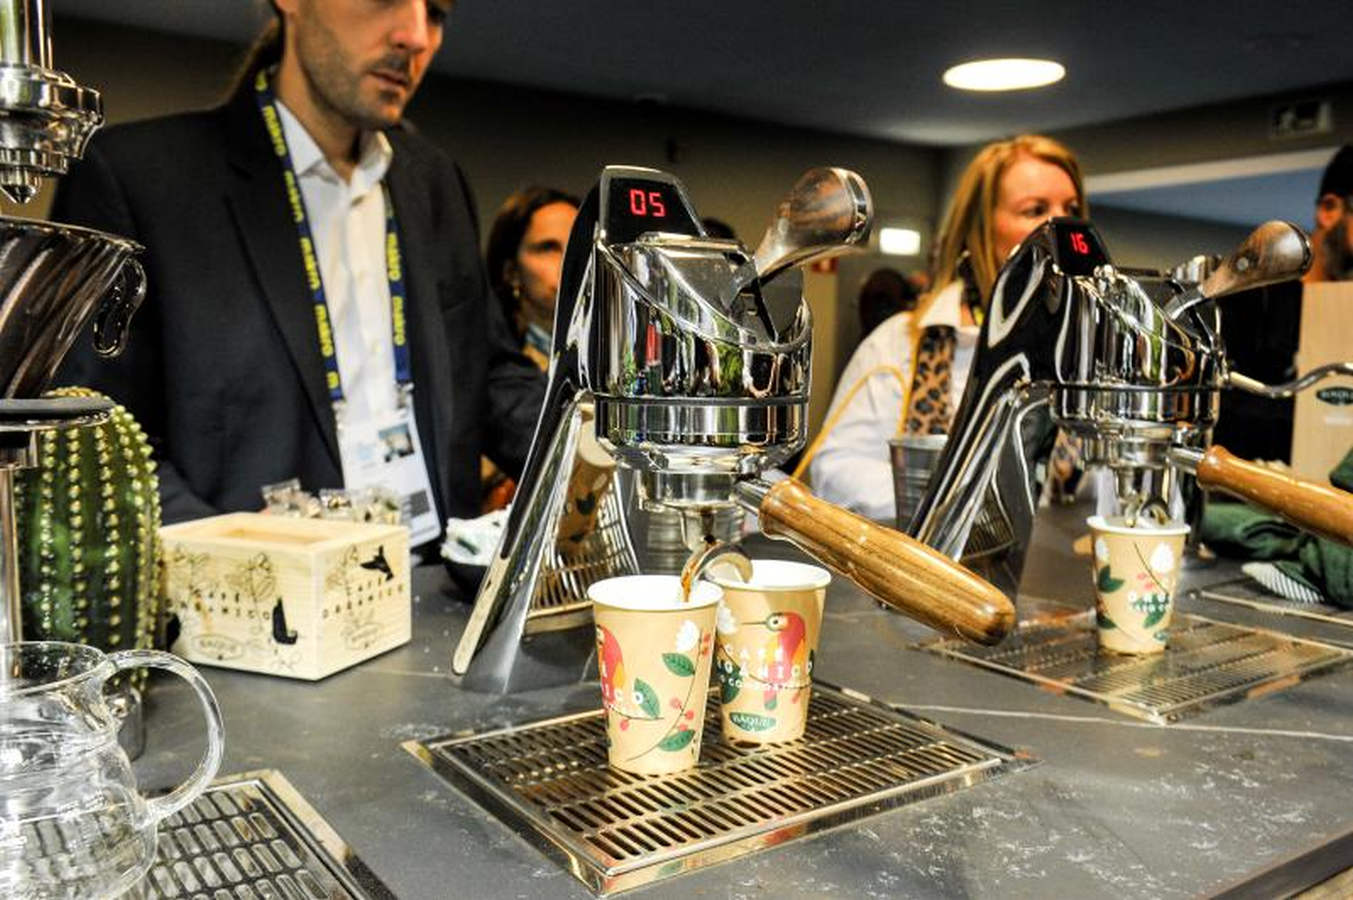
(223, 367)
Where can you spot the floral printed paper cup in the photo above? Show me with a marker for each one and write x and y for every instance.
(767, 642)
(653, 653)
(1136, 569)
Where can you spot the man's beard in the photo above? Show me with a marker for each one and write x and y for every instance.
(337, 85)
(1336, 251)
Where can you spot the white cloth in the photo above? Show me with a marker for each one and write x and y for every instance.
(347, 221)
(852, 467)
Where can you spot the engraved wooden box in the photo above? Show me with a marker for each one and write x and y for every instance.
(301, 598)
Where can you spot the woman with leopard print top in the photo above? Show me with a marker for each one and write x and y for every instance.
(908, 375)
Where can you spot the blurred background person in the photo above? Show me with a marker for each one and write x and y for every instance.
(884, 294)
(1332, 239)
(908, 375)
(523, 256)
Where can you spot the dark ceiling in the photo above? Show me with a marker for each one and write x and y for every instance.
(867, 67)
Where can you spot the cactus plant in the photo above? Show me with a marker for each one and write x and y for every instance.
(88, 519)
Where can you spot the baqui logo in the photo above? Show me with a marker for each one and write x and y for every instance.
(361, 636)
(1335, 396)
(217, 646)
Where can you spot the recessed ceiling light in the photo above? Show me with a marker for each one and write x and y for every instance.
(899, 241)
(1004, 74)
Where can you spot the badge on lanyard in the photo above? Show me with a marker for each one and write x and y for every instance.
(384, 451)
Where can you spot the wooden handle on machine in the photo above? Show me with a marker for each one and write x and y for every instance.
(901, 571)
(1320, 508)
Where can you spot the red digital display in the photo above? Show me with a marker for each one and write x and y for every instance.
(647, 203)
(636, 206)
(1077, 247)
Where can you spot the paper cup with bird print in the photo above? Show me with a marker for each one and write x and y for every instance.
(1136, 569)
(653, 657)
(588, 482)
(765, 649)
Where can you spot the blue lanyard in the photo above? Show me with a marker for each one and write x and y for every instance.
(394, 264)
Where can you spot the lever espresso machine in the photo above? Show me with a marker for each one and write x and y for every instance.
(1133, 364)
(695, 358)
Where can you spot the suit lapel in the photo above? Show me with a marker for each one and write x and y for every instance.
(427, 342)
(269, 235)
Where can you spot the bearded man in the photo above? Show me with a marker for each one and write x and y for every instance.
(1332, 239)
(316, 294)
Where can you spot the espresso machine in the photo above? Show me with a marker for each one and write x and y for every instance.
(53, 278)
(696, 358)
(1133, 364)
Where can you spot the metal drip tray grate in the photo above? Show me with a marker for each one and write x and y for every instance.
(1206, 663)
(549, 781)
(253, 837)
(1250, 594)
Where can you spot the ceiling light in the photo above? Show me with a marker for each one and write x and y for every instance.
(899, 241)
(1004, 74)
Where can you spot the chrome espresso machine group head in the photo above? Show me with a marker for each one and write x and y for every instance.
(1131, 363)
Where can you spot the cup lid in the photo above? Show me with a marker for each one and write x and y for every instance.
(652, 593)
(777, 575)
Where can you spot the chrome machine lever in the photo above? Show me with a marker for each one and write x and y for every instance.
(827, 210)
(1274, 252)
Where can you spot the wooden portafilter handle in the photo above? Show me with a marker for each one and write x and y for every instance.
(899, 570)
(1320, 508)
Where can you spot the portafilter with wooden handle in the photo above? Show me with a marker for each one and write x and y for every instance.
(1319, 508)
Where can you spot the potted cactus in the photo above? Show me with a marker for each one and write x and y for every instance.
(88, 518)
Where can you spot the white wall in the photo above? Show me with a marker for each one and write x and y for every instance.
(1149, 241)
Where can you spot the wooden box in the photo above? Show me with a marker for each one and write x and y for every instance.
(302, 598)
(1322, 427)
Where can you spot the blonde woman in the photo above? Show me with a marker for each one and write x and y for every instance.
(1007, 191)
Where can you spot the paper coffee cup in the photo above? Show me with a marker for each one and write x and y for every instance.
(766, 646)
(653, 657)
(1136, 569)
(588, 482)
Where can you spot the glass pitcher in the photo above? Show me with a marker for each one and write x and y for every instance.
(72, 823)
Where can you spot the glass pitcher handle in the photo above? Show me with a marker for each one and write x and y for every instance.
(187, 792)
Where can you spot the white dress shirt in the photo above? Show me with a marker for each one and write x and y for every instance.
(852, 467)
(347, 222)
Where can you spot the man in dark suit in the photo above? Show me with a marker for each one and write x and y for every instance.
(237, 365)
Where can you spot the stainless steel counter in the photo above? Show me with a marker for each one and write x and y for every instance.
(1117, 807)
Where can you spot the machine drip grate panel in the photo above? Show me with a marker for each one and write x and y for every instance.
(252, 837)
(1205, 664)
(1246, 592)
(550, 781)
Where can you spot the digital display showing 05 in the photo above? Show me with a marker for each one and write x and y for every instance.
(635, 206)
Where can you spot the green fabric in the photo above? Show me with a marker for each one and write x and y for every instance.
(1342, 475)
(1240, 530)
